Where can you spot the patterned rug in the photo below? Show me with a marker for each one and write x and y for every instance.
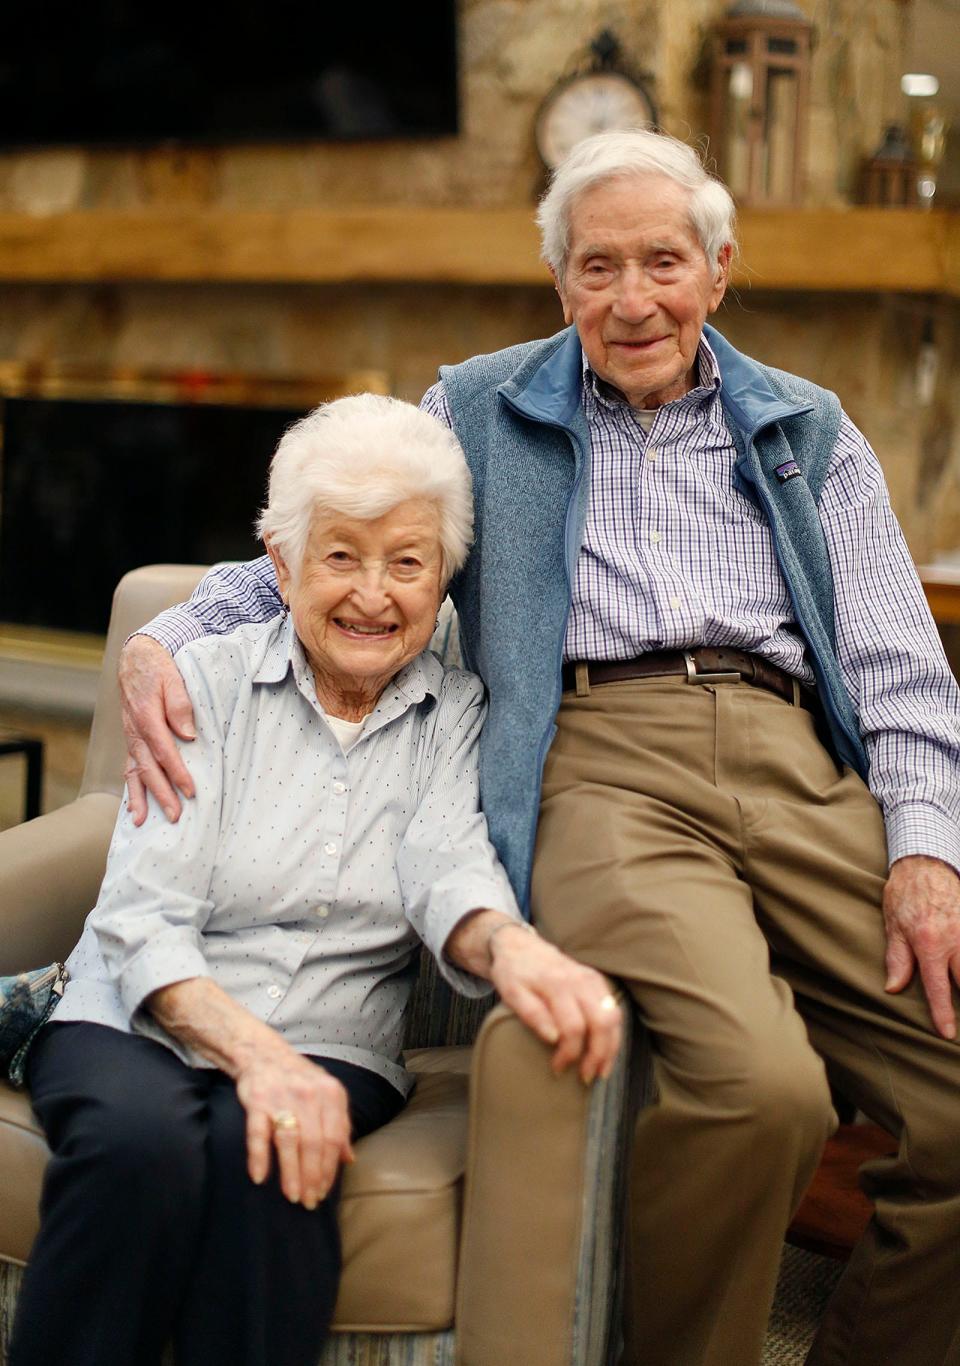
(805, 1285)
(802, 1291)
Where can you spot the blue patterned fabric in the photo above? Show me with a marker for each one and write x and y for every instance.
(26, 1003)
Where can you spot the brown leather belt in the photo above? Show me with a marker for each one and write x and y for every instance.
(706, 665)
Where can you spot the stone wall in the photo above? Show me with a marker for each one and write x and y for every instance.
(511, 53)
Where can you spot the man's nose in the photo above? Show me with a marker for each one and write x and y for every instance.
(635, 299)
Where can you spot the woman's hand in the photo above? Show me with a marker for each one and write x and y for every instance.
(313, 1135)
(567, 1004)
(154, 707)
(274, 1083)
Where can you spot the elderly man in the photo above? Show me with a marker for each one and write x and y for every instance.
(722, 759)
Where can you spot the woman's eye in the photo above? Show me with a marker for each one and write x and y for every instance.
(339, 557)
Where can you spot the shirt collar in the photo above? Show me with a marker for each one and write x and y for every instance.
(283, 652)
(709, 383)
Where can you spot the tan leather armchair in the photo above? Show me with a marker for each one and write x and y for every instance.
(479, 1227)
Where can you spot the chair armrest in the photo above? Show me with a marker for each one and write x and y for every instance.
(50, 874)
(546, 1174)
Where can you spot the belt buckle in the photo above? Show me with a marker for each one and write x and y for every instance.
(694, 677)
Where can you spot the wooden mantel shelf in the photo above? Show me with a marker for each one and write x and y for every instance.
(821, 249)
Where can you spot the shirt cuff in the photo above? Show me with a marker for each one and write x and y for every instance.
(172, 629)
(916, 828)
(167, 958)
(442, 921)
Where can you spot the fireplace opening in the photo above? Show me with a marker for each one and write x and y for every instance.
(102, 475)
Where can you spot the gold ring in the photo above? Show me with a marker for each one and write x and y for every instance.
(285, 1119)
(608, 1003)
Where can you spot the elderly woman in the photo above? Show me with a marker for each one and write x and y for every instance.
(233, 1019)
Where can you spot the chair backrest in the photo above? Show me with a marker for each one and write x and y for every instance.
(138, 597)
(436, 1015)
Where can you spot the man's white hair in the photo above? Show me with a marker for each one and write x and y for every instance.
(623, 155)
(361, 456)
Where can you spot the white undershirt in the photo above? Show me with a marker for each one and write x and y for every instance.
(347, 732)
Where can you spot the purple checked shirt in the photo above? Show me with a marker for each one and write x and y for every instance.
(674, 557)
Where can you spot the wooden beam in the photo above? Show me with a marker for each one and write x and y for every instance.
(860, 249)
(941, 583)
(952, 256)
(434, 245)
(877, 250)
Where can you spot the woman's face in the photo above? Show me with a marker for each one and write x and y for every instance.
(366, 599)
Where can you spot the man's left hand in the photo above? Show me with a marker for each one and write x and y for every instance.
(921, 910)
(567, 1004)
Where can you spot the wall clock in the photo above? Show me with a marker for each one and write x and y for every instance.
(591, 101)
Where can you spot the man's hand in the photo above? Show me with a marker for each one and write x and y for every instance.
(154, 706)
(921, 909)
(567, 1004)
(316, 1137)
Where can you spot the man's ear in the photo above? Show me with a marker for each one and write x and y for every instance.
(280, 567)
(558, 286)
(722, 277)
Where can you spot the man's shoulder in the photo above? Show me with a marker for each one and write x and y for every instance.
(491, 369)
(795, 388)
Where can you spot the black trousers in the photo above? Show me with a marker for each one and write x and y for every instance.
(151, 1228)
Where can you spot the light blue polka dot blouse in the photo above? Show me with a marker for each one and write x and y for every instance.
(300, 878)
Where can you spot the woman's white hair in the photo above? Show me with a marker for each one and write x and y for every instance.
(621, 155)
(360, 457)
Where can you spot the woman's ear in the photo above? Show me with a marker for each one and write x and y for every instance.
(280, 568)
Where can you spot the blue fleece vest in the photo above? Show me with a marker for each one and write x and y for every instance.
(519, 416)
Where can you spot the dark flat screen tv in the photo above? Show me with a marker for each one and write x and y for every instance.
(123, 73)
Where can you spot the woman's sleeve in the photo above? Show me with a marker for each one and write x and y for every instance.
(446, 863)
(154, 902)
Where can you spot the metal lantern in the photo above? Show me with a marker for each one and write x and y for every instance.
(761, 83)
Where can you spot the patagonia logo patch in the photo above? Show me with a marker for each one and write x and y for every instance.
(790, 470)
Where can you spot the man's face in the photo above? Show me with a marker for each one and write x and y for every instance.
(638, 286)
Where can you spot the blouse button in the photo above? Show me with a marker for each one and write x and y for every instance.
(339, 788)
(323, 912)
(274, 991)
(329, 847)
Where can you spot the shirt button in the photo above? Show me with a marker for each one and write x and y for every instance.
(274, 992)
(674, 602)
(329, 847)
(339, 788)
(655, 537)
(322, 912)
(652, 453)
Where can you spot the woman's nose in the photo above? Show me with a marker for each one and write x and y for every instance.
(370, 589)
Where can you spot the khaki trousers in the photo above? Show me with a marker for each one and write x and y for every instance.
(699, 843)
